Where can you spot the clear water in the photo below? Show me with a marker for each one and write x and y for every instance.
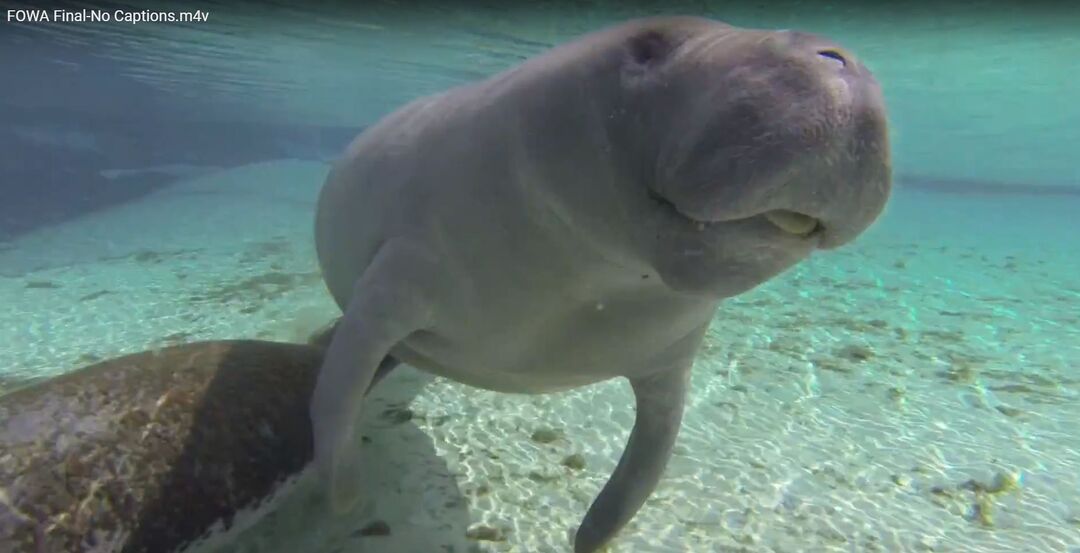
(148, 169)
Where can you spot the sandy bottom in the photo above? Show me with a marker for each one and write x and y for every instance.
(917, 391)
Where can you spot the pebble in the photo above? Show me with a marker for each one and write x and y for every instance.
(856, 353)
(375, 528)
(485, 532)
(575, 461)
(545, 435)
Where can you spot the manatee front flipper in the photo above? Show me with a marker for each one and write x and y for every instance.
(385, 367)
(388, 303)
(660, 400)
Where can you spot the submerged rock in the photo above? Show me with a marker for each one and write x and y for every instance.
(575, 461)
(375, 528)
(856, 352)
(546, 435)
(486, 532)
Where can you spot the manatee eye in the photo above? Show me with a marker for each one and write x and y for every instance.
(833, 55)
(647, 47)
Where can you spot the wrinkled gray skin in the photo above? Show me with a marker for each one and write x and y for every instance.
(579, 218)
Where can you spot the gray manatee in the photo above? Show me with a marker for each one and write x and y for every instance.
(155, 452)
(579, 217)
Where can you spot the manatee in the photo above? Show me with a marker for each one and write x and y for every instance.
(155, 452)
(581, 216)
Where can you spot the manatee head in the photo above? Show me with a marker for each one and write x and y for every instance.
(751, 149)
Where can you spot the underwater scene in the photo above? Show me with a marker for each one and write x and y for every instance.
(393, 277)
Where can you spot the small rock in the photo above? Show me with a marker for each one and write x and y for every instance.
(575, 461)
(1009, 411)
(1004, 482)
(545, 435)
(901, 480)
(856, 353)
(830, 365)
(545, 474)
(375, 528)
(42, 284)
(95, 295)
(961, 372)
(926, 543)
(982, 511)
(484, 532)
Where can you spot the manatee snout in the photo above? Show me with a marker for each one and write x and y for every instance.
(853, 165)
(798, 135)
(773, 144)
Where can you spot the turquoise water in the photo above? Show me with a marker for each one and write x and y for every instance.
(840, 407)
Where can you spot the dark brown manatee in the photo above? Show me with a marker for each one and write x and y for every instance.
(157, 451)
(581, 216)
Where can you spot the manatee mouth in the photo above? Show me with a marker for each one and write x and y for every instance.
(790, 222)
(793, 222)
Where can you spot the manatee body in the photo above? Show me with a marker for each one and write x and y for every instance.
(580, 217)
(155, 452)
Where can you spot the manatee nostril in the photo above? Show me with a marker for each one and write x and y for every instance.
(833, 55)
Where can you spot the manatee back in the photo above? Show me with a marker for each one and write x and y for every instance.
(148, 452)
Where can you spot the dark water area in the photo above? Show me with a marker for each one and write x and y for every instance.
(79, 133)
(95, 115)
(59, 165)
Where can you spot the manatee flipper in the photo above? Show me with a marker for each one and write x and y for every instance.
(386, 306)
(321, 339)
(386, 366)
(660, 399)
